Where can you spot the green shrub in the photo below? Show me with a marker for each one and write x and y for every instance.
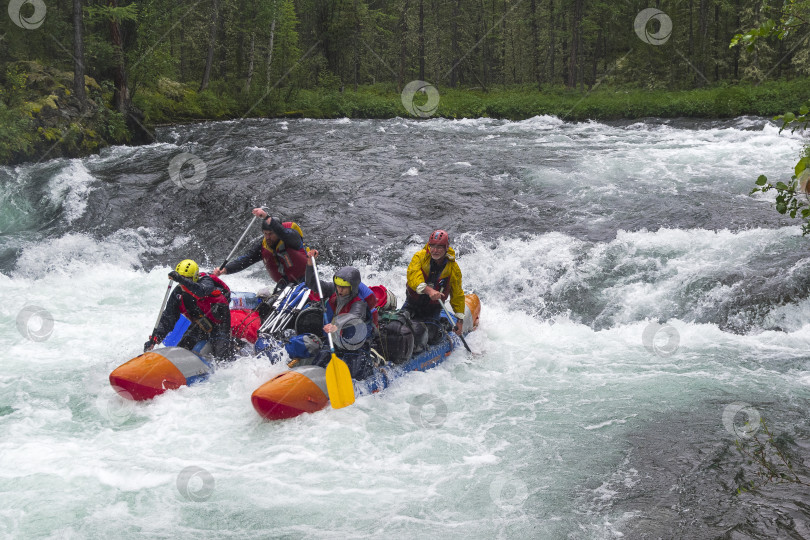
(16, 139)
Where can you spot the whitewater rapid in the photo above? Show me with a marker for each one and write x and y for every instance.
(631, 293)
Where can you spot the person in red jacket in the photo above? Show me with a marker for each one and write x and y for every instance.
(204, 300)
(282, 250)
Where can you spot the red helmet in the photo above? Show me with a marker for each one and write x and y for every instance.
(439, 238)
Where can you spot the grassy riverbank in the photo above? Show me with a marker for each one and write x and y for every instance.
(172, 102)
(40, 120)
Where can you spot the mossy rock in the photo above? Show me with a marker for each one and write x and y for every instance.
(31, 108)
(49, 101)
(91, 83)
(50, 134)
(39, 80)
(64, 77)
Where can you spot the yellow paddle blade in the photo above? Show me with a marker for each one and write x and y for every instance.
(339, 383)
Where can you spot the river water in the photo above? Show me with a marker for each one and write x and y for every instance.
(638, 308)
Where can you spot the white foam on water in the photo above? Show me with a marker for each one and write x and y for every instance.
(513, 431)
(505, 445)
(70, 188)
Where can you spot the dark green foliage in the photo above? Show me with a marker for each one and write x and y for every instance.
(577, 59)
(40, 119)
(16, 140)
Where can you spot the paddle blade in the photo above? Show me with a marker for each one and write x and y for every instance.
(339, 383)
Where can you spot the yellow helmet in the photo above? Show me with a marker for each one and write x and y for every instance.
(189, 269)
(340, 282)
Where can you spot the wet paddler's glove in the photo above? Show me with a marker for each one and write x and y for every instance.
(149, 345)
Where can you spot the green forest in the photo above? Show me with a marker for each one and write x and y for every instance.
(81, 74)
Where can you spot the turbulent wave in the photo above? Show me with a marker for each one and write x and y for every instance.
(632, 291)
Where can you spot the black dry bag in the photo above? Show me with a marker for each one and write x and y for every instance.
(396, 338)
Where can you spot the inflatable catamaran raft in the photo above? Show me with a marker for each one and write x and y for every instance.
(291, 393)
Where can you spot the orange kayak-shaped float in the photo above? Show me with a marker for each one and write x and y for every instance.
(303, 389)
(170, 367)
(154, 372)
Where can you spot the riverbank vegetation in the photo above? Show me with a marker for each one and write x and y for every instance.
(79, 75)
(513, 103)
(792, 196)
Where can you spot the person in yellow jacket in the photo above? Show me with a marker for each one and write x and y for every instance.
(433, 276)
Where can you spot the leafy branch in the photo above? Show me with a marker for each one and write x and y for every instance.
(118, 14)
(792, 198)
(771, 458)
(792, 16)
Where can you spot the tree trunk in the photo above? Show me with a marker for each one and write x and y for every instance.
(121, 93)
(721, 51)
(552, 38)
(703, 21)
(437, 53)
(480, 26)
(403, 49)
(596, 56)
(691, 48)
(358, 31)
(703, 29)
(183, 70)
(269, 62)
(223, 51)
(240, 43)
(212, 43)
(251, 60)
(562, 17)
(535, 55)
(421, 41)
(454, 44)
(78, 55)
(573, 61)
(737, 49)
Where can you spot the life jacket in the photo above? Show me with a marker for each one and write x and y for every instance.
(290, 264)
(197, 307)
(364, 292)
(331, 306)
(442, 284)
